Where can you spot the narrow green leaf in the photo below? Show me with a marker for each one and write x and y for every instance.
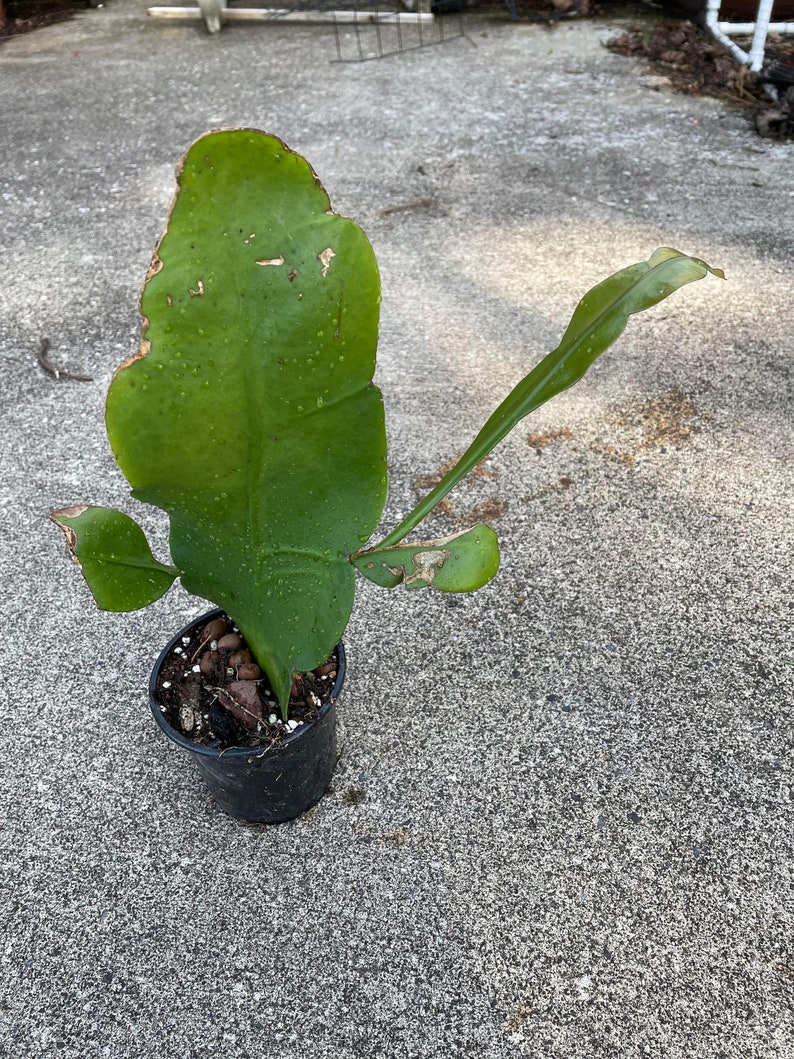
(599, 319)
(112, 551)
(462, 562)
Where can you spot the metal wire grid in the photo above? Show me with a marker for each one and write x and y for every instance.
(376, 31)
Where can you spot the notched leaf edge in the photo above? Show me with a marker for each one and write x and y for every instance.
(68, 531)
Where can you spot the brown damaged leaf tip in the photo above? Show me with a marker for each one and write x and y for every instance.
(68, 531)
(155, 266)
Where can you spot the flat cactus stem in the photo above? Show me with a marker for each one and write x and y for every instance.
(598, 321)
(249, 413)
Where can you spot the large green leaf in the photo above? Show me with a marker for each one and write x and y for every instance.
(462, 562)
(114, 555)
(249, 414)
(599, 319)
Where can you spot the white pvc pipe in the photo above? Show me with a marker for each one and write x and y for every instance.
(285, 14)
(715, 27)
(759, 29)
(759, 37)
(746, 28)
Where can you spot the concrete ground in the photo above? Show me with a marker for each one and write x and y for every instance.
(561, 827)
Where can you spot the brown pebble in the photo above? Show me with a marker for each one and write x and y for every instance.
(327, 669)
(249, 671)
(230, 642)
(208, 662)
(214, 629)
(241, 658)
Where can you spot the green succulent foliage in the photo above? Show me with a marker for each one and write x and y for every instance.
(462, 562)
(249, 414)
(599, 319)
(114, 555)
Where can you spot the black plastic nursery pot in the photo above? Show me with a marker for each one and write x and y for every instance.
(262, 784)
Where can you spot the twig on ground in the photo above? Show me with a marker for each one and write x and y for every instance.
(57, 373)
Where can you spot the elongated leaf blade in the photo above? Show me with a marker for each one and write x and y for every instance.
(112, 551)
(249, 414)
(599, 319)
(462, 562)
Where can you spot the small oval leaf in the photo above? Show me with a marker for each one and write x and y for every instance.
(112, 551)
(462, 562)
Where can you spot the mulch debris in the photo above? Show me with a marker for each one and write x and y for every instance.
(22, 16)
(696, 64)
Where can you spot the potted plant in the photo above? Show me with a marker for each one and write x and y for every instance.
(249, 416)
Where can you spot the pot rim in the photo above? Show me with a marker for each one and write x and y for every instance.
(232, 751)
